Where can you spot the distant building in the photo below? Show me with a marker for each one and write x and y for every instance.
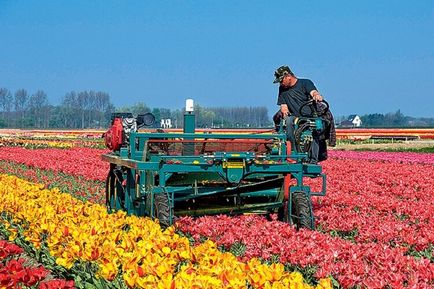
(166, 123)
(353, 120)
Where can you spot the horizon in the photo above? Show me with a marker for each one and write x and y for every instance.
(370, 57)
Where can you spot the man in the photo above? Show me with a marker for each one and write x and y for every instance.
(293, 93)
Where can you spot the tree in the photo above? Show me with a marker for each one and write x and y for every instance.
(37, 103)
(21, 104)
(82, 103)
(391, 119)
(102, 106)
(135, 109)
(396, 119)
(6, 100)
(69, 110)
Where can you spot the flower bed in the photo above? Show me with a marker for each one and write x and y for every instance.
(375, 224)
(401, 157)
(385, 202)
(368, 265)
(376, 227)
(79, 187)
(84, 162)
(75, 232)
(14, 271)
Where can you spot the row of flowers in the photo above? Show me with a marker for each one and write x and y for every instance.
(51, 139)
(396, 196)
(422, 133)
(382, 206)
(368, 265)
(385, 202)
(14, 272)
(401, 157)
(77, 186)
(87, 161)
(47, 134)
(84, 162)
(34, 143)
(361, 195)
(76, 232)
(380, 213)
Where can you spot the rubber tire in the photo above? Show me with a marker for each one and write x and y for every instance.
(302, 215)
(161, 209)
(109, 196)
(109, 190)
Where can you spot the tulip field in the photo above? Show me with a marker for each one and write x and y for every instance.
(374, 228)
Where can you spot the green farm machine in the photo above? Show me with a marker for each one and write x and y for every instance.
(163, 174)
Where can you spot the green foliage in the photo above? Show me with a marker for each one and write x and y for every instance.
(395, 119)
(238, 249)
(427, 253)
(135, 109)
(346, 235)
(92, 109)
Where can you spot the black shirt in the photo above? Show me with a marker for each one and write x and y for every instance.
(294, 97)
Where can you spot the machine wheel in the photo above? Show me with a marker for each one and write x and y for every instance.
(302, 215)
(162, 209)
(114, 192)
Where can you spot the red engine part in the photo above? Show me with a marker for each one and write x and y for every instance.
(113, 137)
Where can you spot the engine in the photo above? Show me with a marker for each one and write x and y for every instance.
(122, 125)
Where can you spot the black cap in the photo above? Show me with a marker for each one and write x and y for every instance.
(281, 72)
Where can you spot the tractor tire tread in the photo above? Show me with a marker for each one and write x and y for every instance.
(301, 210)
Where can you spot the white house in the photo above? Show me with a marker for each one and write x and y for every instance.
(353, 120)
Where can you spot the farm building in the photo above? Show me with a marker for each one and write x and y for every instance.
(353, 120)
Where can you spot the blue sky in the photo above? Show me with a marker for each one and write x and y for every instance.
(364, 56)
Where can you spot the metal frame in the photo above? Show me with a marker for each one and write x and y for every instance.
(148, 173)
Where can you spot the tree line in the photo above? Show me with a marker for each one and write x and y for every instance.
(93, 109)
(208, 117)
(84, 109)
(393, 119)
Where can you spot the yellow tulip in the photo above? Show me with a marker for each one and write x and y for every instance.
(166, 282)
(148, 281)
(325, 283)
(65, 261)
(108, 271)
(147, 256)
(130, 278)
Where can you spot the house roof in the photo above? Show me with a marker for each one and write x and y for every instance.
(346, 123)
(352, 117)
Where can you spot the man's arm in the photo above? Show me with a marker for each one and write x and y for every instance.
(316, 95)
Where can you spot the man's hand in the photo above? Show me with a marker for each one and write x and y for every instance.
(316, 95)
(284, 109)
